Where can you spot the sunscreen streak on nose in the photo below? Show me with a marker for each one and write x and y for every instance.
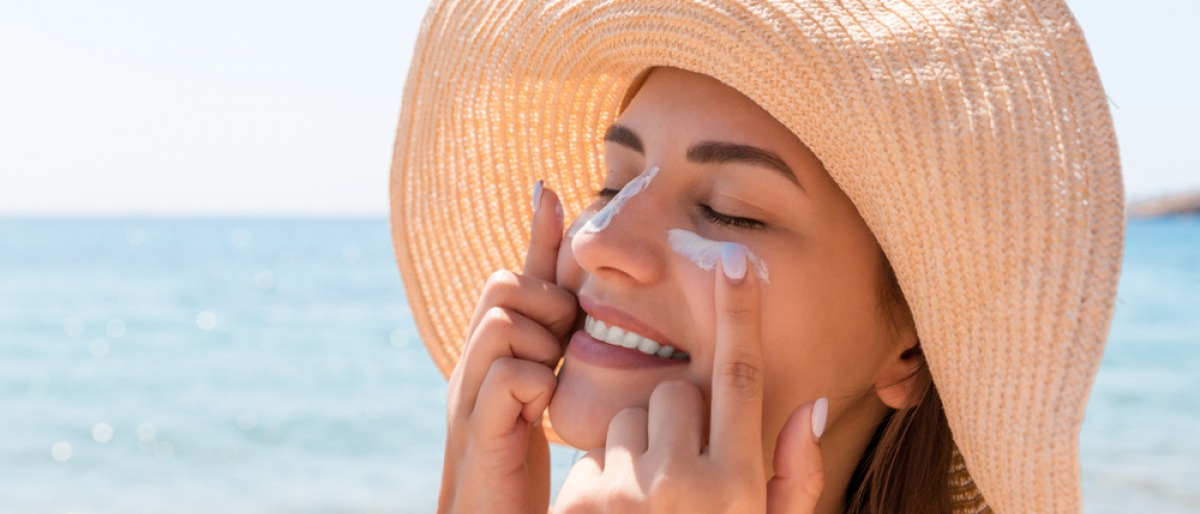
(579, 223)
(705, 253)
(635, 186)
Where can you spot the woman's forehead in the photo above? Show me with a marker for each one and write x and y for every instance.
(709, 122)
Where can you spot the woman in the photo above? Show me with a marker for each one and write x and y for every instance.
(862, 258)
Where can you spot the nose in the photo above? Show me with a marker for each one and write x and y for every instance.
(629, 244)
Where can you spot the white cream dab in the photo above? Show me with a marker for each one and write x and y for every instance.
(706, 253)
(635, 186)
(579, 223)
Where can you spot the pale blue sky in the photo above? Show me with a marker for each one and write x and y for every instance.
(284, 108)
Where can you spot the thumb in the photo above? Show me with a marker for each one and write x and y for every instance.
(799, 472)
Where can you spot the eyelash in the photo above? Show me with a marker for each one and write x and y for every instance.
(708, 212)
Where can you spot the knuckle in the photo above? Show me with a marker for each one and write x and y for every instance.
(502, 277)
(630, 416)
(669, 484)
(548, 380)
(623, 500)
(503, 370)
(671, 391)
(738, 314)
(742, 374)
(674, 474)
(497, 319)
(500, 286)
(564, 304)
(541, 376)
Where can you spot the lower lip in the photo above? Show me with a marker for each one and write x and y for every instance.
(597, 353)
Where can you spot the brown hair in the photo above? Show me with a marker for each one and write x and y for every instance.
(905, 466)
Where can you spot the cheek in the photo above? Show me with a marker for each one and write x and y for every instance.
(793, 336)
(802, 358)
(821, 331)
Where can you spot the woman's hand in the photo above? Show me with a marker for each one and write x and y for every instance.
(654, 460)
(497, 459)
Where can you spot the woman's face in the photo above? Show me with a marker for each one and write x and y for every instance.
(726, 171)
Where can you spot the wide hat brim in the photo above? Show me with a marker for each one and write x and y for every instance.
(974, 137)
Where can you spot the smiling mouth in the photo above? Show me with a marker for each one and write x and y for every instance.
(623, 338)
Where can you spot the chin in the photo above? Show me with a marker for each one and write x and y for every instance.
(579, 415)
(582, 409)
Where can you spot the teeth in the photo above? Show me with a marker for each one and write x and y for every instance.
(615, 335)
(648, 346)
(618, 336)
(631, 340)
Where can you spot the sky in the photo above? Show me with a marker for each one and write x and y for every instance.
(288, 108)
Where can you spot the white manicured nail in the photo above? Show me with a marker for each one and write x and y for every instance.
(733, 261)
(820, 414)
(537, 196)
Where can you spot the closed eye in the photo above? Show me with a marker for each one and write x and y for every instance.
(707, 211)
(724, 219)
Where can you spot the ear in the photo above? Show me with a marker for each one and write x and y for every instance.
(897, 376)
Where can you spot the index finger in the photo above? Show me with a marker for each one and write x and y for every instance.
(737, 381)
(545, 235)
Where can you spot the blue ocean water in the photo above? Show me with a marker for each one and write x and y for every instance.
(273, 366)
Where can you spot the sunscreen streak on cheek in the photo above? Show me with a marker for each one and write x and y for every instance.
(705, 253)
(635, 186)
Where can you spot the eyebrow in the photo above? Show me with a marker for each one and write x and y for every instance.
(720, 152)
(621, 135)
(711, 152)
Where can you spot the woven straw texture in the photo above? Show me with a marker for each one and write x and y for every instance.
(973, 136)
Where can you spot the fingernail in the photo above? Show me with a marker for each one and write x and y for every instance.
(820, 413)
(733, 261)
(537, 196)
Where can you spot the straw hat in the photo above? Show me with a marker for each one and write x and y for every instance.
(973, 136)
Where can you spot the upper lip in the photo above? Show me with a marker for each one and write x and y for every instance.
(613, 316)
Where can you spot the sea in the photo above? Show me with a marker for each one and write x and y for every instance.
(272, 366)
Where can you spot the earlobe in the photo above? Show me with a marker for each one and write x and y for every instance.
(897, 377)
